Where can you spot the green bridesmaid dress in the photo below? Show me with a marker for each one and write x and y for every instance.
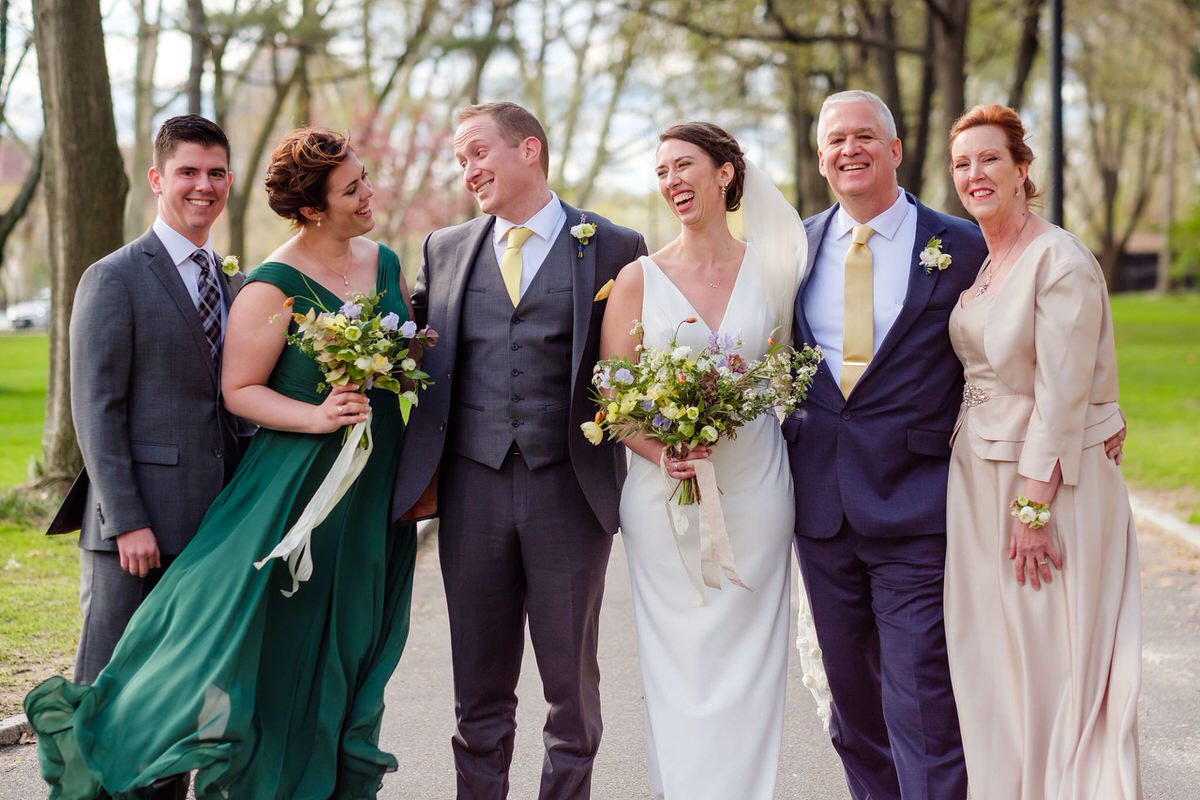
(261, 695)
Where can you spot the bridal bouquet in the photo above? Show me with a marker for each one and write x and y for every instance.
(354, 344)
(685, 399)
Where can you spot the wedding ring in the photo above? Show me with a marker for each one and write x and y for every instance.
(1042, 563)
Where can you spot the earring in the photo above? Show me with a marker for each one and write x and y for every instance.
(724, 189)
(318, 222)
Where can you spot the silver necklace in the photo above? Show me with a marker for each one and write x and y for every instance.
(987, 279)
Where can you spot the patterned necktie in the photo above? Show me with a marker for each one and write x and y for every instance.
(210, 303)
(510, 263)
(858, 328)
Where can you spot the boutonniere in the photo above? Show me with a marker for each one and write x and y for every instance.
(230, 265)
(584, 232)
(932, 256)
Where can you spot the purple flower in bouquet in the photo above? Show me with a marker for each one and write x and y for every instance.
(409, 329)
(661, 422)
(390, 322)
(350, 309)
(623, 376)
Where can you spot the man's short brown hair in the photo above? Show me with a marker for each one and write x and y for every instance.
(515, 123)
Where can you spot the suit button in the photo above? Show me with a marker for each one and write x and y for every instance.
(847, 415)
(516, 346)
(515, 372)
(441, 426)
(447, 374)
(516, 423)
(516, 398)
(217, 453)
(517, 320)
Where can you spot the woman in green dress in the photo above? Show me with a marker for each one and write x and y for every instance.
(265, 695)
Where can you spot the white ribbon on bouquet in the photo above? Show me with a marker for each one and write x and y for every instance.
(716, 553)
(296, 546)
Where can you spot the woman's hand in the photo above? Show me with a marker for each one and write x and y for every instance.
(680, 468)
(343, 406)
(1032, 553)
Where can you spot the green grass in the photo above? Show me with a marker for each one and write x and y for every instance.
(26, 359)
(39, 609)
(1158, 354)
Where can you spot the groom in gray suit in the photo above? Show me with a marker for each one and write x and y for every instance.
(145, 360)
(528, 507)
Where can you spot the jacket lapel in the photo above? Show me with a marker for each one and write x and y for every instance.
(583, 281)
(814, 228)
(920, 284)
(162, 268)
(466, 251)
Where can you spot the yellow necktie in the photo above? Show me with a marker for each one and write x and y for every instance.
(510, 263)
(858, 328)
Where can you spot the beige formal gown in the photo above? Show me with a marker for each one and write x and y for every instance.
(1046, 681)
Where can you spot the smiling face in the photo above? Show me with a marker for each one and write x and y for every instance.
(859, 158)
(506, 179)
(192, 188)
(986, 177)
(348, 194)
(690, 182)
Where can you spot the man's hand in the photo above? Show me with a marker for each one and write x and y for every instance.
(139, 551)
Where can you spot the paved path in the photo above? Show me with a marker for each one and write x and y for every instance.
(420, 709)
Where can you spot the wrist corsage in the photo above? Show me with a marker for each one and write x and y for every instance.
(1031, 513)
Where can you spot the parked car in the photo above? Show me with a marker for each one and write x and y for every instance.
(33, 314)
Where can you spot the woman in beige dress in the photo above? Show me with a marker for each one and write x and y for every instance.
(1043, 611)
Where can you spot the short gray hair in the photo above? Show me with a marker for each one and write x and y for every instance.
(882, 112)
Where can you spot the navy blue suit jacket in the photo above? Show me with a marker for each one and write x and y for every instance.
(881, 457)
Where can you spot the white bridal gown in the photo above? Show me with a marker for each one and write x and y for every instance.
(714, 675)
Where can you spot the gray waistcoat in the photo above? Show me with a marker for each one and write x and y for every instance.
(514, 365)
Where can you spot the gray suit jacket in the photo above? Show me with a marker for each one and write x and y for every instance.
(157, 443)
(437, 300)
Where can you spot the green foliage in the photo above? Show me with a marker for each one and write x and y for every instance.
(1158, 354)
(26, 360)
(1185, 239)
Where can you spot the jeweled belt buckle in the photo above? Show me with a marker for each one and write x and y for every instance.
(974, 395)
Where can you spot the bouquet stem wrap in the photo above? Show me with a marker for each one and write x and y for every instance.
(716, 552)
(295, 547)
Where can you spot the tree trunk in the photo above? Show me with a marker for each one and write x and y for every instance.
(1027, 51)
(85, 190)
(143, 119)
(21, 203)
(198, 31)
(952, 16)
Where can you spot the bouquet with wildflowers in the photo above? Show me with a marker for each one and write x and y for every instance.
(685, 399)
(356, 344)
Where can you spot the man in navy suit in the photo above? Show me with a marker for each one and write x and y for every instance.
(870, 454)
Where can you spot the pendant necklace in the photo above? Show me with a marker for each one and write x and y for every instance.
(987, 279)
(343, 275)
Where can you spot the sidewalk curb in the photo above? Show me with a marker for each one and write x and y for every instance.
(12, 729)
(1184, 532)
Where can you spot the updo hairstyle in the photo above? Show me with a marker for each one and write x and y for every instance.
(298, 175)
(720, 147)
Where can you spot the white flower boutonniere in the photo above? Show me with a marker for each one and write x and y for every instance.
(932, 256)
(584, 232)
(230, 265)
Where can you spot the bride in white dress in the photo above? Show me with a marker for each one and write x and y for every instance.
(714, 674)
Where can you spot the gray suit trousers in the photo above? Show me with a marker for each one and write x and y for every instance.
(517, 543)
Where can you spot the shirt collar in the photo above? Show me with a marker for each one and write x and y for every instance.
(886, 224)
(543, 223)
(179, 247)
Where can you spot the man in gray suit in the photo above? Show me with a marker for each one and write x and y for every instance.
(145, 361)
(527, 505)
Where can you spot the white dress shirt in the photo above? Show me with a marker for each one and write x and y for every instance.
(546, 225)
(180, 249)
(892, 262)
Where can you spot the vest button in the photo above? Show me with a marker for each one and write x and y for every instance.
(217, 453)
(517, 320)
(516, 423)
(847, 415)
(515, 372)
(516, 346)
(516, 398)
